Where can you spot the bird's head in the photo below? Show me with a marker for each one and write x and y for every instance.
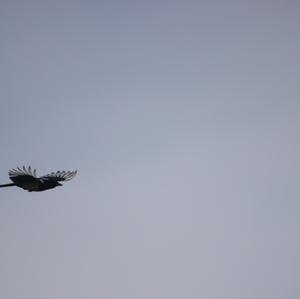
(51, 183)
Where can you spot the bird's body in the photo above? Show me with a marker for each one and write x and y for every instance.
(27, 179)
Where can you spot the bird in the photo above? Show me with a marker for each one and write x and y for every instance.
(27, 179)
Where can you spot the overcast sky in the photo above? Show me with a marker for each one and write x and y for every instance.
(182, 118)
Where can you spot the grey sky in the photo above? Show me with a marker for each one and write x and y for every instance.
(182, 118)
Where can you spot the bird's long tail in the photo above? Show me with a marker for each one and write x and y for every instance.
(8, 185)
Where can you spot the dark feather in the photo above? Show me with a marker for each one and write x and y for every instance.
(59, 176)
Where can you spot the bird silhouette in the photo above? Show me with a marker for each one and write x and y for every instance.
(28, 180)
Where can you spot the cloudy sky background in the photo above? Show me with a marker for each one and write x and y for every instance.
(182, 118)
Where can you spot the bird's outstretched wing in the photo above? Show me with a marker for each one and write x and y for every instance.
(59, 176)
(19, 175)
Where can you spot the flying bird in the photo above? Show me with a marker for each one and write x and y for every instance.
(28, 180)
